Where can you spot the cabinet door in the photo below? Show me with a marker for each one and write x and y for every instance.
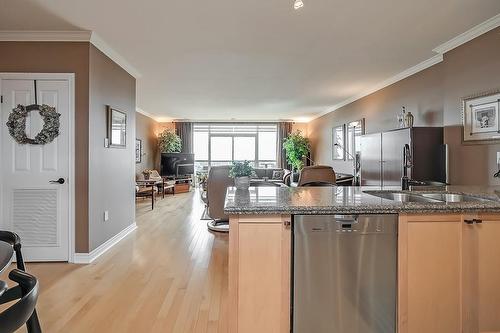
(429, 274)
(259, 271)
(481, 275)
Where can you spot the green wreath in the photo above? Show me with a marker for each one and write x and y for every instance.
(17, 124)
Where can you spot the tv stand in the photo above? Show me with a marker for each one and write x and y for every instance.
(182, 183)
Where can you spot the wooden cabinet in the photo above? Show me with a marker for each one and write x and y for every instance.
(481, 274)
(259, 273)
(449, 273)
(429, 266)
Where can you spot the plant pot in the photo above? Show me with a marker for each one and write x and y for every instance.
(242, 183)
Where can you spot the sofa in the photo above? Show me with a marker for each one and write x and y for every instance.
(261, 173)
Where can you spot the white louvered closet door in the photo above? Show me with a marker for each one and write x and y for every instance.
(31, 206)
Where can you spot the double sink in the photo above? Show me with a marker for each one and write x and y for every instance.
(428, 197)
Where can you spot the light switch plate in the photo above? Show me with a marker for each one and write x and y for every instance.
(106, 215)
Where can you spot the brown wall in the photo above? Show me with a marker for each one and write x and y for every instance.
(146, 129)
(62, 57)
(111, 170)
(104, 178)
(433, 96)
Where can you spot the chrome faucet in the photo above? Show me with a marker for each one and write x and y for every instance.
(405, 181)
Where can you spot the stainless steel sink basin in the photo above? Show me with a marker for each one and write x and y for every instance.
(428, 197)
(403, 197)
(451, 197)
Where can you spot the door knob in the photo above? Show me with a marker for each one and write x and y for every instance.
(59, 181)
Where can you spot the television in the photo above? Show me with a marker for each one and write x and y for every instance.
(177, 164)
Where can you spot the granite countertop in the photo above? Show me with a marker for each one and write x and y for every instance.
(350, 200)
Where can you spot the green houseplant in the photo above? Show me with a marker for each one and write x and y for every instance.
(241, 172)
(169, 142)
(296, 147)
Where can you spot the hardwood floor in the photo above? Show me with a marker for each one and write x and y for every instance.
(170, 275)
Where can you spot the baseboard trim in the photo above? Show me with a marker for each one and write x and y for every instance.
(87, 258)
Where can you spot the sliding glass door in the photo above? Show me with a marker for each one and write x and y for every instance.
(221, 144)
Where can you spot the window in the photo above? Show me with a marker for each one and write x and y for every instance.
(220, 144)
(355, 130)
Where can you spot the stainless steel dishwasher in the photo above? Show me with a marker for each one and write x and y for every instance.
(344, 273)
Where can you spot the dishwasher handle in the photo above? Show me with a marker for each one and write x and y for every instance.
(353, 219)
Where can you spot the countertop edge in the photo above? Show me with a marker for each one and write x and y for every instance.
(356, 210)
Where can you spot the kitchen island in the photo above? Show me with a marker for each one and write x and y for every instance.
(447, 264)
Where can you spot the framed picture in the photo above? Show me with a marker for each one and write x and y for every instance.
(117, 128)
(480, 117)
(338, 142)
(355, 129)
(138, 150)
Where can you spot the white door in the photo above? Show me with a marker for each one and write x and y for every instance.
(31, 205)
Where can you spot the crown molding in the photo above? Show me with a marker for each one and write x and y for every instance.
(463, 38)
(469, 35)
(70, 36)
(147, 114)
(45, 36)
(104, 47)
(398, 77)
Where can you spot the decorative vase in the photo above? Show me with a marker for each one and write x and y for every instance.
(409, 119)
(242, 183)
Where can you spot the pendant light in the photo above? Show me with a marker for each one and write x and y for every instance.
(298, 4)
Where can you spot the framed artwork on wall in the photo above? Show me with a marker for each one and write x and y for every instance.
(117, 128)
(138, 150)
(480, 117)
(338, 142)
(355, 129)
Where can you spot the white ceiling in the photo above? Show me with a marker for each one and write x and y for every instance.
(256, 59)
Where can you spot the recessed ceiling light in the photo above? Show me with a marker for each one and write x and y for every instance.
(298, 4)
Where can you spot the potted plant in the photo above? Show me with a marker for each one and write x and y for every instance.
(296, 147)
(241, 172)
(169, 142)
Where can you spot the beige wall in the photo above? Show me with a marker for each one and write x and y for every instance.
(433, 96)
(301, 127)
(165, 125)
(146, 129)
(62, 57)
(111, 170)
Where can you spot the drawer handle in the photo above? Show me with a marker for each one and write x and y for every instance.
(286, 223)
(478, 221)
(469, 221)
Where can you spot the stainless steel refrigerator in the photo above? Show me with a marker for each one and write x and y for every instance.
(382, 156)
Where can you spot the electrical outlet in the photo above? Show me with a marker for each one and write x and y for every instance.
(106, 215)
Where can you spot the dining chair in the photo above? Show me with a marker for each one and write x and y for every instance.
(14, 240)
(22, 311)
(317, 174)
